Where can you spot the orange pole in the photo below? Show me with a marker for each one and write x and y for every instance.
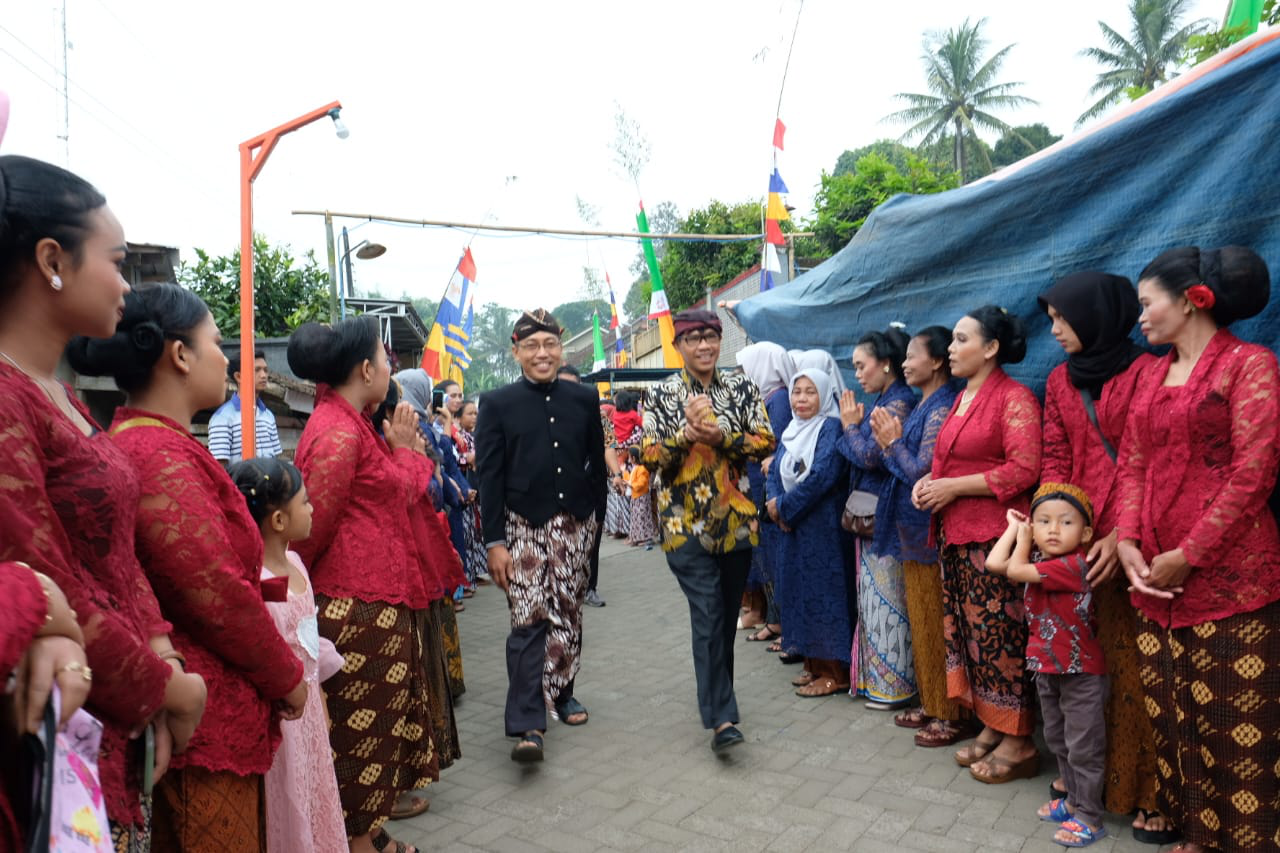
(253, 156)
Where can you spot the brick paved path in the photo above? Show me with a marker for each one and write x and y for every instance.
(815, 774)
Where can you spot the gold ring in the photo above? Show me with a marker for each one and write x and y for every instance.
(75, 666)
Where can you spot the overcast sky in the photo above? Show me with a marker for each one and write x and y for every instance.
(446, 100)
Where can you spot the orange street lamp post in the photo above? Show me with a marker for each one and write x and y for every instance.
(253, 156)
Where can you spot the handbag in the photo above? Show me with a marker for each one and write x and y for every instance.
(859, 516)
(68, 812)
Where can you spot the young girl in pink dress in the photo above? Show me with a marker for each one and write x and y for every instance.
(304, 813)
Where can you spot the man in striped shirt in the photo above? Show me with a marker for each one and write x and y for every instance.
(224, 426)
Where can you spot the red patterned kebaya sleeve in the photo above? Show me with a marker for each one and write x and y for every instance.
(25, 607)
(1253, 395)
(328, 470)
(1020, 437)
(131, 678)
(1055, 463)
(198, 578)
(416, 470)
(1131, 470)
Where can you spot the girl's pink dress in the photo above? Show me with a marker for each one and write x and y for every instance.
(304, 814)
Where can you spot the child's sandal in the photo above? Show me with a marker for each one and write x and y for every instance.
(1081, 835)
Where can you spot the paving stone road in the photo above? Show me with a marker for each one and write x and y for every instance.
(814, 774)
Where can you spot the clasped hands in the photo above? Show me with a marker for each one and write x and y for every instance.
(1162, 578)
(932, 495)
(701, 426)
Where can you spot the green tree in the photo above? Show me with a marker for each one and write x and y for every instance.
(576, 316)
(690, 267)
(977, 155)
(1027, 139)
(492, 364)
(1206, 44)
(964, 90)
(636, 304)
(890, 149)
(1154, 49)
(286, 293)
(844, 202)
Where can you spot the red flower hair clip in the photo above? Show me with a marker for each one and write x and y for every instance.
(1200, 296)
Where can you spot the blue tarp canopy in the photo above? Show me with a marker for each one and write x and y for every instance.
(1195, 163)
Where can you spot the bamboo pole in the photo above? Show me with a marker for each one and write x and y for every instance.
(525, 229)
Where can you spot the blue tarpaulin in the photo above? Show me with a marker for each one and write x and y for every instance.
(1194, 163)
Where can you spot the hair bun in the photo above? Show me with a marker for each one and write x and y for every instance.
(147, 338)
(323, 353)
(1240, 280)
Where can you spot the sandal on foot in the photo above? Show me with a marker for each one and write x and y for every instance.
(1056, 793)
(416, 806)
(570, 708)
(788, 657)
(914, 718)
(1007, 771)
(822, 687)
(942, 733)
(1155, 836)
(1081, 834)
(528, 749)
(1054, 811)
(776, 646)
(769, 634)
(976, 751)
(803, 679)
(383, 842)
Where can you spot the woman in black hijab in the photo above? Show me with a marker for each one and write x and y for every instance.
(1085, 409)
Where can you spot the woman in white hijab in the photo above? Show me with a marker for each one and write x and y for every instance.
(806, 492)
(824, 361)
(770, 368)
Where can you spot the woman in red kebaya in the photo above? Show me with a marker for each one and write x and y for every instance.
(1199, 544)
(985, 462)
(68, 496)
(366, 572)
(202, 552)
(1092, 315)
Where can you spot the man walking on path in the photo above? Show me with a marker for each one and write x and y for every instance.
(540, 455)
(700, 430)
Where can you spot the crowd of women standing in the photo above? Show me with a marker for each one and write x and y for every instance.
(878, 518)
(172, 607)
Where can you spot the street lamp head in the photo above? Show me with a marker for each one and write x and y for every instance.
(338, 126)
(370, 250)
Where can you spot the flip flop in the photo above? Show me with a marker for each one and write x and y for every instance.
(942, 733)
(381, 842)
(1008, 771)
(1081, 834)
(420, 805)
(915, 718)
(1057, 813)
(1155, 836)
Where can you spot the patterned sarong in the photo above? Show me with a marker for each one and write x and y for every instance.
(1213, 694)
(548, 582)
(380, 726)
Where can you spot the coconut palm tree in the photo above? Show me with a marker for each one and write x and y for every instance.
(1146, 58)
(964, 90)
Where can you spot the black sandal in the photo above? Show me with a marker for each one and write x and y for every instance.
(527, 749)
(381, 841)
(1152, 836)
(788, 657)
(568, 708)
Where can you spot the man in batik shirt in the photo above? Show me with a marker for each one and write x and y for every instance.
(701, 428)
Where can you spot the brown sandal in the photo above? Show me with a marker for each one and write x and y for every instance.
(943, 733)
(915, 718)
(822, 687)
(1007, 771)
(971, 753)
(383, 842)
(803, 679)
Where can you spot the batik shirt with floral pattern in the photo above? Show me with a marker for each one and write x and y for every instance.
(700, 494)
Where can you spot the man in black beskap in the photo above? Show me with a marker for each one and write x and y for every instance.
(540, 455)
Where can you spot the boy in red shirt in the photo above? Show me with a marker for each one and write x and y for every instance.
(1062, 648)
